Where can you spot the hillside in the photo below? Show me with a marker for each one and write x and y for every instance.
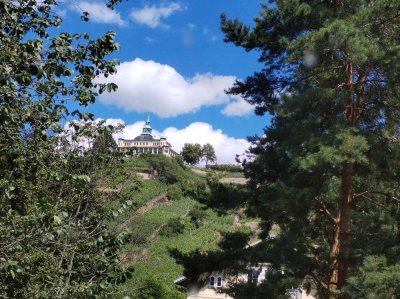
(165, 206)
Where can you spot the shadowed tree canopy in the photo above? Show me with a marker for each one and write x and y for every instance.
(326, 169)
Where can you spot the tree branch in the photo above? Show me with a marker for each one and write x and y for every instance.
(388, 195)
(326, 210)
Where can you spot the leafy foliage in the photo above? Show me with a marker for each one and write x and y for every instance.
(194, 153)
(191, 153)
(172, 228)
(208, 153)
(55, 237)
(154, 288)
(167, 169)
(174, 192)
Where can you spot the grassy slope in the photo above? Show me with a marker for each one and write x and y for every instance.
(148, 251)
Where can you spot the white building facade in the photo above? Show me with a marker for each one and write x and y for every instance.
(216, 281)
(146, 143)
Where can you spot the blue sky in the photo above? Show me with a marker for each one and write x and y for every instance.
(175, 66)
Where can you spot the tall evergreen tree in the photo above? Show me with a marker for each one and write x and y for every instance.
(327, 169)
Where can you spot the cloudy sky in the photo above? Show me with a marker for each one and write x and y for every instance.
(175, 66)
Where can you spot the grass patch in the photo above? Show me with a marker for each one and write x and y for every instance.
(158, 263)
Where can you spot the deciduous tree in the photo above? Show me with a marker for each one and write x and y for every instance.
(55, 240)
(208, 153)
(191, 153)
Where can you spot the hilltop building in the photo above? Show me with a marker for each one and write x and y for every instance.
(146, 143)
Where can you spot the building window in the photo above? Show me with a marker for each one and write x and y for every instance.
(215, 282)
(253, 277)
(219, 282)
(212, 281)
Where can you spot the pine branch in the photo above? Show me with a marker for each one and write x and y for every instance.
(326, 210)
(388, 195)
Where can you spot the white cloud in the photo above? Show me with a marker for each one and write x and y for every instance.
(99, 13)
(150, 40)
(238, 108)
(210, 36)
(148, 86)
(226, 147)
(152, 15)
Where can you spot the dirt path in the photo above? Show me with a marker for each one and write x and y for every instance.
(199, 171)
(109, 190)
(147, 207)
(240, 181)
(145, 176)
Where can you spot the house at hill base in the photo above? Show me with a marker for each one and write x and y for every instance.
(146, 143)
(216, 281)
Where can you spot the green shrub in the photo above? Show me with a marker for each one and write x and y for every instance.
(197, 215)
(173, 228)
(175, 192)
(168, 170)
(155, 289)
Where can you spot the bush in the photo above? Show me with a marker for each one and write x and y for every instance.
(155, 289)
(180, 161)
(175, 192)
(173, 228)
(168, 170)
(197, 215)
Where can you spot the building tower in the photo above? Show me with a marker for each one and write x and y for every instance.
(147, 130)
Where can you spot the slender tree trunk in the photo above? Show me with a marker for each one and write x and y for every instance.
(341, 240)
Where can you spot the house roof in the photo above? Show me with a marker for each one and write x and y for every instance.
(145, 138)
(180, 279)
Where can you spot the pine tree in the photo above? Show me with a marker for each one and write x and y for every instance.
(326, 170)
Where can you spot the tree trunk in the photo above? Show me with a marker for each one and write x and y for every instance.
(340, 247)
